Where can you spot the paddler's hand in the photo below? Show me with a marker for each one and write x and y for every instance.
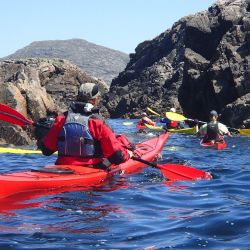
(131, 147)
(130, 153)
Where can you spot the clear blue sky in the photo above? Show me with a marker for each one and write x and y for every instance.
(116, 24)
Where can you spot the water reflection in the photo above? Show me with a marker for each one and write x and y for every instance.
(76, 211)
(26, 200)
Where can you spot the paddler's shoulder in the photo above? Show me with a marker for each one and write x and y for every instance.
(222, 126)
(98, 120)
(60, 118)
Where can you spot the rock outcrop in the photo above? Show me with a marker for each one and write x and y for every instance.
(38, 88)
(96, 60)
(201, 63)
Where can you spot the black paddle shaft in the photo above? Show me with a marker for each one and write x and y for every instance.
(144, 161)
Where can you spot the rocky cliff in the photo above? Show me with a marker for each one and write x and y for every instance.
(97, 60)
(38, 88)
(201, 63)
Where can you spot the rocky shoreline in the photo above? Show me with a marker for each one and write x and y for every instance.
(38, 88)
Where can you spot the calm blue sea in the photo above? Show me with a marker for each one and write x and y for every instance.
(140, 211)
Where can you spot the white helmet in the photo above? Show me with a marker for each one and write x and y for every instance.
(173, 110)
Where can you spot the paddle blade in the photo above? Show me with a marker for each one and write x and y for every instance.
(175, 117)
(178, 172)
(127, 123)
(10, 115)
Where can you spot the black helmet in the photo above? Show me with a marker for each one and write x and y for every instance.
(213, 113)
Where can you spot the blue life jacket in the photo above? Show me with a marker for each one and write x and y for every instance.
(75, 138)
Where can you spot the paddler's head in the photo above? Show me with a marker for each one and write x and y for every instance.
(144, 114)
(89, 93)
(173, 110)
(213, 115)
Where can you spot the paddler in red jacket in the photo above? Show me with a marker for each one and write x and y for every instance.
(82, 137)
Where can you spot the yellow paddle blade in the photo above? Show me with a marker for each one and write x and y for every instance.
(153, 112)
(175, 117)
(244, 131)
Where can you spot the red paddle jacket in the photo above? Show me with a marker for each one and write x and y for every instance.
(111, 146)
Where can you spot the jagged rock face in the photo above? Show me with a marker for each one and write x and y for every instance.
(38, 88)
(201, 63)
(238, 111)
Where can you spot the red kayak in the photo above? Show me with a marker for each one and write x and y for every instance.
(63, 176)
(217, 144)
(138, 126)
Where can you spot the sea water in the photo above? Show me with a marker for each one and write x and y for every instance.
(140, 211)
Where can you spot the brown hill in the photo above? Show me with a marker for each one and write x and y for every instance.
(96, 60)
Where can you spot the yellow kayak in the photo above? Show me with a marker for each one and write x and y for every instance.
(181, 130)
(18, 151)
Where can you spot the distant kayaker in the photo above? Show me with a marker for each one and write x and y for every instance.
(145, 120)
(213, 131)
(169, 124)
(82, 137)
